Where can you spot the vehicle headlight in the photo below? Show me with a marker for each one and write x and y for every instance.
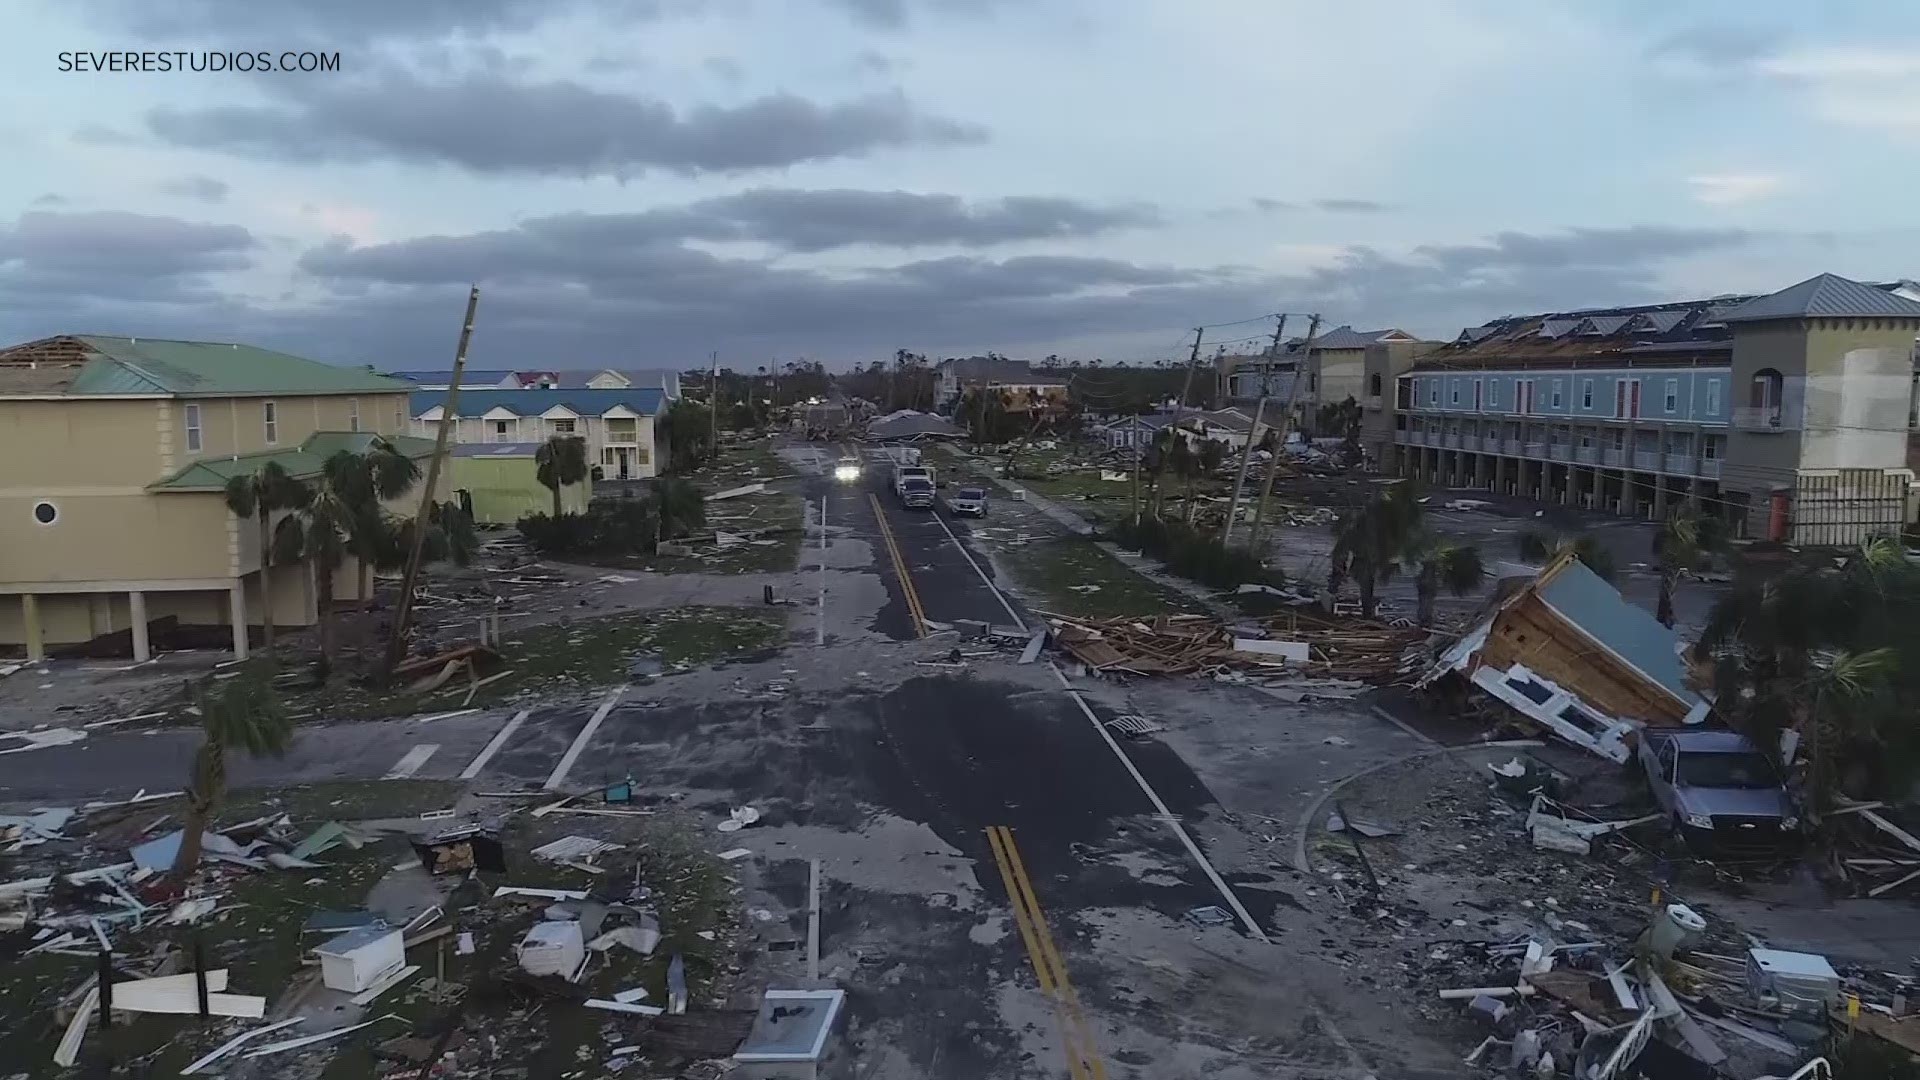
(1789, 823)
(1700, 821)
(846, 472)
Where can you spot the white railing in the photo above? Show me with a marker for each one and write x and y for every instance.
(1680, 463)
(1613, 457)
(1646, 459)
(1587, 455)
(1764, 418)
(1710, 467)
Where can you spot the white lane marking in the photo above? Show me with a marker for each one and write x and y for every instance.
(995, 589)
(1166, 815)
(820, 624)
(411, 761)
(580, 741)
(493, 746)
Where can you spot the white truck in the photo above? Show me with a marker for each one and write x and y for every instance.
(904, 473)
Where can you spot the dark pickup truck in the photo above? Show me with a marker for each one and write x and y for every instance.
(916, 494)
(1721, 793)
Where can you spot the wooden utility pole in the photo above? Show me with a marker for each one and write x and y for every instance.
(1286, 418)
(397, 643)
(1179, 406)
(713, 402)
(1259, 410)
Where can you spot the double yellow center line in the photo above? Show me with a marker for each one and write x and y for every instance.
(1083, 1055)
(900, 569)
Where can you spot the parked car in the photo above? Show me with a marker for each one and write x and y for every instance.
(1721, 793)
(916, 493)
(968, 501)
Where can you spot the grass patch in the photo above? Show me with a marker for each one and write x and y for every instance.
(581, 653)
(591, 652)
(1051, 569)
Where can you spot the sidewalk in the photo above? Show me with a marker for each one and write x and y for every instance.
(1079, 526)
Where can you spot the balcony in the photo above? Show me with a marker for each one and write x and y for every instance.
(1371, 401)
(1615, 458)
(1402, 437)
(1471, 442)
(1766, 418)
(1647, 459)
(1512, 447)
(1680, 464)
(1560, 452)
(1587, 455)
(1453, 440)
(1535, 450)
(1710, 467)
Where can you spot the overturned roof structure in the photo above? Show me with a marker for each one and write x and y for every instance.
(1567, 651)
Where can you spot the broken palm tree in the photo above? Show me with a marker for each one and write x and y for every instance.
(1292, 643)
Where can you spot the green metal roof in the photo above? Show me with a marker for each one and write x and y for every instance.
(208, 368)
(299, 461)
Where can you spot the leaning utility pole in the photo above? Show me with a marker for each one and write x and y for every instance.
(1173, 426)
(1286, 417)
(1259, 410)
(713, 404)
(397, 643)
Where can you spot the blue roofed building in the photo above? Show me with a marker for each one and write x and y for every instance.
(1790, 414)
(621, 427)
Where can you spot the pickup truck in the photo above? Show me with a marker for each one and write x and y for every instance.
(968, 501)
(916, 493)
(1720, 792)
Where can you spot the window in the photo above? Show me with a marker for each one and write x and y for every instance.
(499, 430)
(270, 420)
(607, 456)
(353, 414)
(45, 513)
(399, 416)
(1557, 392)
(1313, 381)
(1713, 398)
(1455, 399)
(1673, 395)
(1710, 448)
(193, 429)
(1493, 394)
(563, 427)
(1373, 384)
(1433, 393)
(1586, 393)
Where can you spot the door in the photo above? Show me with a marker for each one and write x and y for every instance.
(1633, 398)
(1479, 391)
(623, 458)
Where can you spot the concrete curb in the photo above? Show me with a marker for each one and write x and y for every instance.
(1300, 828)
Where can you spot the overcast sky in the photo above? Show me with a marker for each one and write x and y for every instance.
(641, 181)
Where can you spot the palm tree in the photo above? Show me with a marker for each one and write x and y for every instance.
(1437, 564)
(1536, 546)
(560, 461)
(346, 515)
(259, 495)
(1369, 538)
(679, 507)
(1685, 541)
(1830, 651)
(244, 714)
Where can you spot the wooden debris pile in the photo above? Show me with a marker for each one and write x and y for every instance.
(1335, 648)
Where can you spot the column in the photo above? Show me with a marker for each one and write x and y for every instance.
(237, 608)
(30, 619)
(137, 611)
(1568, 490)
(1693, 494)
(1500, 474)
(1659, 497)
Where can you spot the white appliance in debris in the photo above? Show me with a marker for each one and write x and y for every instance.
(359, 958)
(553, 948)
(1800, 982)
